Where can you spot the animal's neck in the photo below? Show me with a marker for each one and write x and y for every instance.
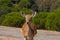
(29, 26)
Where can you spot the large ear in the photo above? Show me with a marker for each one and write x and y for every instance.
(23, 14)
(33, 13)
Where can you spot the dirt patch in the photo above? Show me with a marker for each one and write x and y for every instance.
(8, 38)
(10, 33)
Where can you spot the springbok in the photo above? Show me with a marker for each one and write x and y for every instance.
(28, 29)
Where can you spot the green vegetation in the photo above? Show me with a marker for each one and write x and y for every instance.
(26, 11)
(24, 3)
(40, 19)
(13, 19)
(48, 13)
(49, 21)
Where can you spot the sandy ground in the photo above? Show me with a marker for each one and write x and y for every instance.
(8, 38)
(9, 33)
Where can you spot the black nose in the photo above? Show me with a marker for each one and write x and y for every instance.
(27, 22)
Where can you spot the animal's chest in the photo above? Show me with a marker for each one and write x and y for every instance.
(25, 29)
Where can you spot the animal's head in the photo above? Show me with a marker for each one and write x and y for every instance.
(28, 17)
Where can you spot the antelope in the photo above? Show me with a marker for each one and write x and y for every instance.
(28, 29)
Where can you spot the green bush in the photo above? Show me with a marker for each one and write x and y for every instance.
(15, 8)
(26, 11)
(40, 19)
(57, 12)
(53, 20)
(2, 2)
(24, 3)
(4, 9)
(13, 19)
(48, 21)
(2, 18)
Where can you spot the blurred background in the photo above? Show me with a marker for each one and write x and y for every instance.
(47, 17)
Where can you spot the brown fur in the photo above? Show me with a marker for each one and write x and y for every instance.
(28, 29)
(25, 30)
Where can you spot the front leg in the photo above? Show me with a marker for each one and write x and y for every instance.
(24, 38)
